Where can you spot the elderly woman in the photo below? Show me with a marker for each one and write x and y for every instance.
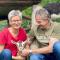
(15, 33)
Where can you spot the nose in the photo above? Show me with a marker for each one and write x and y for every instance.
(16, 22)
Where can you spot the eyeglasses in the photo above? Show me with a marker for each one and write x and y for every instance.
(15, 20)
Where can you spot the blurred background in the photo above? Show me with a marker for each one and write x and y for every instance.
(53, 6)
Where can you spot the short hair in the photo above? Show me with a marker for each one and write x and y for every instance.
(43, 13)
(14, 13)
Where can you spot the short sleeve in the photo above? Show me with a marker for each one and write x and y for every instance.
(31, 33)
(2, 38)
(24, 35)
(56, 31)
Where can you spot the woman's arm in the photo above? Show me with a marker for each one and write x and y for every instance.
(1, 47)
(17, 57)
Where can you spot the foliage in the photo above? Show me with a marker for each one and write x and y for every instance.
(28, 11)
(45, 2)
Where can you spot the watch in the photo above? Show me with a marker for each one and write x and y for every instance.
(30, 51)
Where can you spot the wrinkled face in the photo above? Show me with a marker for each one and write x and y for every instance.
(15, 22)
(40, 21)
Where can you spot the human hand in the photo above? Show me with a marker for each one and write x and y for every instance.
(51, 43)
(25, 52)
(53, 40)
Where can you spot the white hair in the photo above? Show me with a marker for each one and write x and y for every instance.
(14, 13)
(35, 8)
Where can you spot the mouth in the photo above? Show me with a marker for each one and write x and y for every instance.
(41, 26)
(17, 25)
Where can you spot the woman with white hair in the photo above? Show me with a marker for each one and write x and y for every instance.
(14, 32)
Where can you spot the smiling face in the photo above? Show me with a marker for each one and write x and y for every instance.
(42, 18)
(15, 22)
(41, 22)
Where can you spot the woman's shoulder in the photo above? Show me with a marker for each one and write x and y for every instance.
(4, 30)
(22, 29)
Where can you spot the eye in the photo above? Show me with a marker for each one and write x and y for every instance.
(15, 20)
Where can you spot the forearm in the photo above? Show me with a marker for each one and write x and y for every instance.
(17, 57)
(1, 47)
(43, 50)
